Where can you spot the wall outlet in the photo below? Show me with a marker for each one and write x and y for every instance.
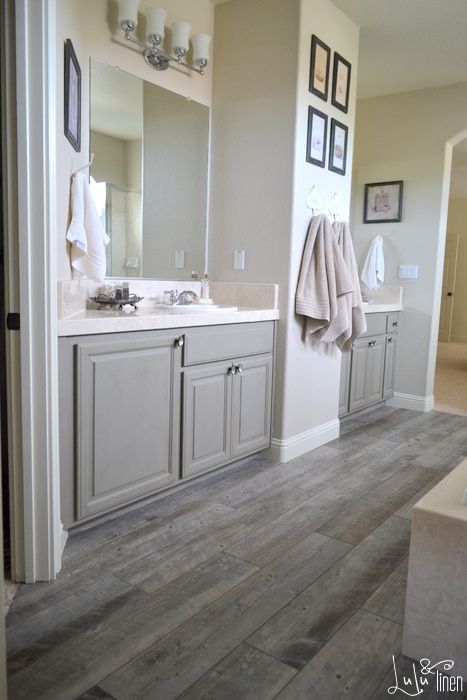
(239, 259)
(179, 259)
(408, 272)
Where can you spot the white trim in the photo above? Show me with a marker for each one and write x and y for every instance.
(285, 450)
(35, 76)
(412, 402)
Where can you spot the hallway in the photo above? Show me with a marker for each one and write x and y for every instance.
(451, 378)
(268, 580)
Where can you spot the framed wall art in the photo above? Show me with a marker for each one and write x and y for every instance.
(338, 147)
(383, 202)
(340, 83)
(72, 112)
(316, 137)
(319, 68)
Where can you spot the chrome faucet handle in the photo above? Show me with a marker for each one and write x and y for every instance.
(185, 295)
(173, 296)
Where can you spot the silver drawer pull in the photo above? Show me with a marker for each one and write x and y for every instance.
(180, 342)
(232, 370)
(239, 368)
(395, 324)
(389, 340)
(372, 344)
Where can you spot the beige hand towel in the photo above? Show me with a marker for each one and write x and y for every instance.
(354, 302)
(323, 283)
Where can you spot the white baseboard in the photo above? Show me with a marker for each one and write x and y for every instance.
(63, 538)
(285, 450)
(412, 402)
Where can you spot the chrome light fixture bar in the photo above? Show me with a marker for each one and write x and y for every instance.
(154, 56)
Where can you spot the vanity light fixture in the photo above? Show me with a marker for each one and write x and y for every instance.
(155, 25)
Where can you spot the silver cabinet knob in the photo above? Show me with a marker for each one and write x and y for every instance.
(180, 342)
(372, 344)
(389, 340)
(239, 368)
(232, 370)
(395, 324)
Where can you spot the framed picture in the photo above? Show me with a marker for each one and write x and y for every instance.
(383, 202)
(340, 83)
(72, 97)
(338, 147)
(316, 137)
(319, 67)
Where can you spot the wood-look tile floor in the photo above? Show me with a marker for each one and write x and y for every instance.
(265, 581)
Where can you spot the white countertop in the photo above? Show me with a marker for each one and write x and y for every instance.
(90, 322)
(376, 308)
(445, 498)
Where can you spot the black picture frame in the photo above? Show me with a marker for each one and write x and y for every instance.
(338, 140)
(319, 74)
(72, 97)
(316, 137)
(383, 202)
(341, 75)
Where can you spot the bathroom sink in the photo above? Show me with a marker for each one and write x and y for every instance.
(196, 308)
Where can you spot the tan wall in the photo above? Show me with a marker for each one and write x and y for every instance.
(403, 137)
(260, 178)
(111, 165)
(457, 226)
(92, 27)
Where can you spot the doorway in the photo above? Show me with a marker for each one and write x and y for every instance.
(451, 362)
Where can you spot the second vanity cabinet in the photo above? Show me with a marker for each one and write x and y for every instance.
(368, 370)
(140, 411)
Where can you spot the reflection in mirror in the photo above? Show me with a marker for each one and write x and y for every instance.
(149, 175)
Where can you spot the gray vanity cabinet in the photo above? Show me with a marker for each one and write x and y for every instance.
(207, 410)
(126, 420)
(251, 406)
(368, 371)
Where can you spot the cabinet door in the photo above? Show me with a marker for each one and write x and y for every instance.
(375, 370)
(128, 409)
(345, 383)
(358, 374)
(206, 417)
(390, 366)
(251, 405)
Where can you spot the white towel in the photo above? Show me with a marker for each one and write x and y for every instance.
(373, 268)
(323, 283)
(356, 315)
(86, 233)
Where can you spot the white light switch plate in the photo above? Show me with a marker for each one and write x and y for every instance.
(408, 272)
(179, 259)
(239, 259)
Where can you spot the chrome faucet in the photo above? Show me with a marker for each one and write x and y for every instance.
(182, 298)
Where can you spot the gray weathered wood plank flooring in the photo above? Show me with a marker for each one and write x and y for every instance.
(259, 582)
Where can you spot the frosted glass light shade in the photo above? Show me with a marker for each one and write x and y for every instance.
(180, 35)
(155, 20)
(128, 11)
(201, 43)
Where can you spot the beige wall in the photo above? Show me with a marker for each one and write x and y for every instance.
(457, 226)
(92, 27)
(404, 137)
(260, 179)
(111, 165)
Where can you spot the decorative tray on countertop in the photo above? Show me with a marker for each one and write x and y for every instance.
(114, 303)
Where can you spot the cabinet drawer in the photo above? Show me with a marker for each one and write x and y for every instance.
(376, 324)
(392, 325)
(209, 344)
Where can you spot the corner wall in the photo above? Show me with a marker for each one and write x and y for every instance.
(405, 137)
(260, 180)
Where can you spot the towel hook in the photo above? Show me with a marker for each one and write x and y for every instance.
(83, 167)
(334, 206)
(313, 200)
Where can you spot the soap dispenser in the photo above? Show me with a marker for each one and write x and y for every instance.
(205, 286)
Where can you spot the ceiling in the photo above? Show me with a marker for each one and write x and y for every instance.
(407, 44)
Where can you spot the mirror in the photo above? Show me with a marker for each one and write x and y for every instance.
(149, 176)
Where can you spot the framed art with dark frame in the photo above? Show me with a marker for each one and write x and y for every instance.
(383, 202)
(316, 137)
(72, 122)
(340, 83)
(338, 147)
(319, 68)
